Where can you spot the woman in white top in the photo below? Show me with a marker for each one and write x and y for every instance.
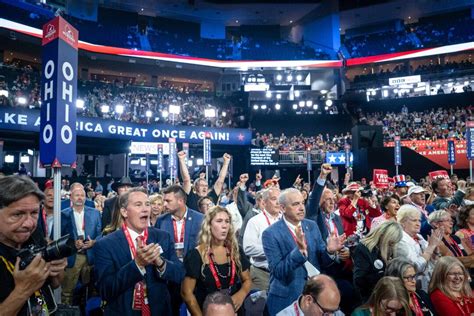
(414, 247)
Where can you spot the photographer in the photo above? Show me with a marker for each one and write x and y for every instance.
(28, 291)
(357, 211)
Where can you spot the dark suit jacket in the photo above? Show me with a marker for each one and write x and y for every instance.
(92, 229)
(314, 212)
(286, 263)
(366, 274)
(191, 230)
(117, 274)
(107, 212)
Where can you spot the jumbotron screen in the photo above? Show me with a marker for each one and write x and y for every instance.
(263, 157)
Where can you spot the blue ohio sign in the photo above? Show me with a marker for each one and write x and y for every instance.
(470, 139)
(451, 152)
(207, 151)
(28, 120)
(160, 158)
(58, 94)
(398, 151)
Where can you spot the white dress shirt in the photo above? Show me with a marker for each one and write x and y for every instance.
(252, 241)
(236, 217)
(79, 221)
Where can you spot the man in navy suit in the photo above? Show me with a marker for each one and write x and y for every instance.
(83, 225)
(183, 224)
(295, 251)
(135, 264)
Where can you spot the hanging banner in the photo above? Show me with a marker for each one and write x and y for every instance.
(398, 151)
(470, 139)
(451, 152)
(160, 157)
(380, 178)
(207, 150)
(58, 94)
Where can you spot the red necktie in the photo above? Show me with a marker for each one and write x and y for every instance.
(145, 307)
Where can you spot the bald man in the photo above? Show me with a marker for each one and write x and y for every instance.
(218, 304)
(320, 295)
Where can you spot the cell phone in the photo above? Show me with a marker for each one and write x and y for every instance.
(277, 173)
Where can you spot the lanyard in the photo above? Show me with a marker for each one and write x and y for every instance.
(214, 272)
(131, 243)
(175, 226)
(454, 248)
(415, 305)
(266, 217)
(297, 310)
(329, 225)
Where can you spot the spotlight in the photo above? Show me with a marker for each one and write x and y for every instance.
(268, 94)
(263, 106)
(105, 108)
(277, 106)
(119, 109)
(315, 106)
(289, 78)
(328, 103)
(295, 106)
(255, 106)
(278, 96)
(224, 114)
(301, 103)
(299, 78)
(279, 77)
(309, 103)
(80, 103)
(148, 113)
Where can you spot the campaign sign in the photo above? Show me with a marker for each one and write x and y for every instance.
(160, 158)
(380, 178)
(309, 163)
(470, 139)
(347, 152)
(398, 151)
(451, 152)
(207, 150)
(438, 174)
(58, 94)
(172, 156)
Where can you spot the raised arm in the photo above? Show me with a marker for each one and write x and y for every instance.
(222, 174)
(183, 170)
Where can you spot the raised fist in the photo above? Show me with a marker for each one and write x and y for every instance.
(182, 154)
(226, 157)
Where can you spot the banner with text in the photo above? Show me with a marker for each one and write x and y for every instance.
(28, 120)
(380, 178)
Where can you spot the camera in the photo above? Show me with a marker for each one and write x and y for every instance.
(58, 249)
(366, 192)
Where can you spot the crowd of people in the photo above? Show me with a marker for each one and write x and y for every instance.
(19, 84)
(434, 31)
(283, 143)
(404, 248)
(433, 124)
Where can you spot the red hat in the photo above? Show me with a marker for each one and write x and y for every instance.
(352, 187)
(48, 184)
(269, 182)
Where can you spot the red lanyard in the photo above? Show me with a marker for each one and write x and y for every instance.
(297, 310)
(266, 217)
(415, 306)
(457, 250)
(45, 222)
(463, 306)
(328, 226)
(131, 243)
(175, 226)
(214, 272)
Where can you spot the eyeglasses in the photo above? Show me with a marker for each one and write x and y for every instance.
(325, 311)
(410, 277)
(456, 274)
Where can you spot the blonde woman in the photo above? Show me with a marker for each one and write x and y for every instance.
(372, 255)
(216, 264)
(389, 297)
(450, 292)
(156, 203)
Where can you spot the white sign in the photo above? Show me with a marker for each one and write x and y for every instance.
(404, 80)
(143, 148)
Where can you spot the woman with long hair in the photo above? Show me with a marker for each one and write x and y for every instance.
(372, 255)
(419, 301)
(216, 264)
(389, 297)
(450, 291)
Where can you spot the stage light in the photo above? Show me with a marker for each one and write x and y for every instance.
(80, 103)
(255, 106)
(315, 106)
(301, 103)
(299, 78)
(21, 100)
(263, 106)
(119, 109)
(328, 102)
(279, 77)
(165, 114)
(148, 113)
(268, 94)
(105, 108)
(295, 106)
(297, 94)
(277, 106)
(224, 114)
(210, 113)
(278, 96)
(289, 78)
(174, 109)
(309, 103)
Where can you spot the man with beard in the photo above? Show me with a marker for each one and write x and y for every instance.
(28, 290)
(84, 228)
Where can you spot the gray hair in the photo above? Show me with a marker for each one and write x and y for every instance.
(282, 199)
(398, 266)
(406, 211)
(123, 199)
(266, 193)
(436, 216)
(15, 188)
